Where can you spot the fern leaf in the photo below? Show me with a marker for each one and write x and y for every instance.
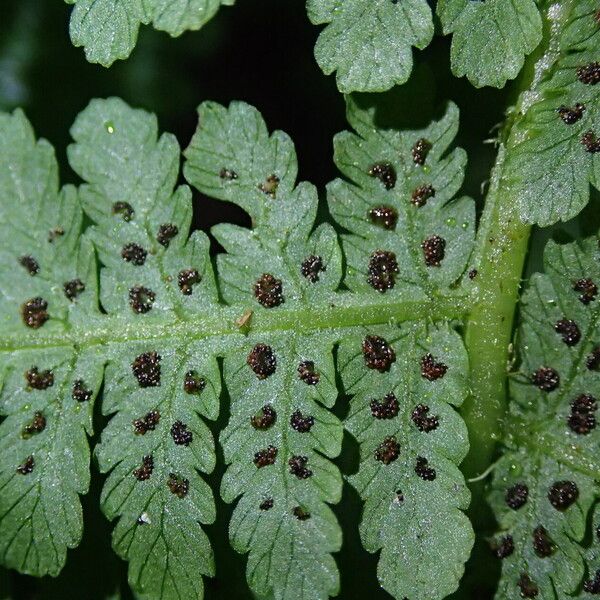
(280, 436)
(546, 483)
(283, 519)
(156, 443)
(490, 39)
(411, 442)
(108, 29)
(163, 326)
(47, 285)
(401, 200)
(369, 43)
(553, 158)
(411, 439)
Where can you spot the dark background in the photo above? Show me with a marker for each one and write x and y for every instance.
(260, 51)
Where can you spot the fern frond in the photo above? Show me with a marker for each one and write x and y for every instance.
(276, 315)
(546, 483)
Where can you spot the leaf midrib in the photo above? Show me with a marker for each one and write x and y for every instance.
(337, 311)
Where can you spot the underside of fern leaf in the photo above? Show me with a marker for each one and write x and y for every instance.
(411, 439)
(554, 147)
(44, 455)
(280, 436)
(398, 190)
(108, 29)
(280, 311)
(547, 481)
(156, 443)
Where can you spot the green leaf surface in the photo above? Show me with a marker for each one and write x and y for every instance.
(403, 510)
(150, 323)
(551, 164)
(490, 39)
(290, 544)
(44, 454)
(421, 196)
(108, 29)
(402, 507)
(551, 435)
(118, 153)
(369, 43)
(282, 519)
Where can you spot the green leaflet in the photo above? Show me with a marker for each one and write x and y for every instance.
(108, 29)
(44, 455)
(421, 198)
(553, 152)
(279, 380)
(290, 542)
(429, 433)
(490, 39)
(156, 443)
(554, 427)
(403, 509)
(369, 43)
(233, 158)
